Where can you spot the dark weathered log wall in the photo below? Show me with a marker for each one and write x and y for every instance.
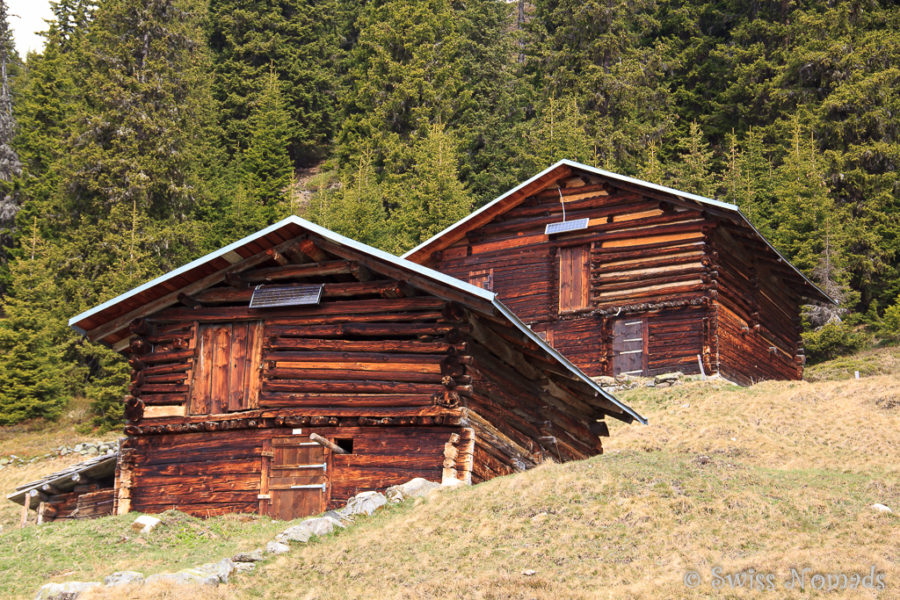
(211, 473)
(643, 255)
(650, 258)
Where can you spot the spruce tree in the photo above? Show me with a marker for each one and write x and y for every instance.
(33, 372)
(10, 167)
(265, 163)
(693, 172)
(430, 196)
(301, 41)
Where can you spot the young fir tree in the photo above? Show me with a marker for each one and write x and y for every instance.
(265, 165)
(558, 132)
(32, 367)
(693, 171)
(357, 208)
(430, 196)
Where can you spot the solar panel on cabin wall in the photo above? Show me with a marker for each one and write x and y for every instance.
(566, 226)
(268, 296)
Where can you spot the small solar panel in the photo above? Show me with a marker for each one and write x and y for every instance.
(267, 296)
(566, 226)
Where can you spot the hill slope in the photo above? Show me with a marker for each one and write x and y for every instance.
(770, 477)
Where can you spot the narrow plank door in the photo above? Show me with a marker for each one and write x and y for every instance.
(629, 346)
(226, 368)
(297, 478)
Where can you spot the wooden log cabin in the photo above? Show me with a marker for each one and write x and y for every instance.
(624, 276)
(294, 368)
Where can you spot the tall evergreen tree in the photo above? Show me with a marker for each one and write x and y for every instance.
(10, 167)
(265, 163)
(430, 196)
(301, 40)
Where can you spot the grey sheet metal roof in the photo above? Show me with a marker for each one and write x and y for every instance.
(95, 468)
(192, 271)
(624, 179)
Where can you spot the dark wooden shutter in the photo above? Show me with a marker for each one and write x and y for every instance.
(574, 278)
(226, 368)
(629, 346)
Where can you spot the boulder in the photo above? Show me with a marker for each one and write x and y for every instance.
(605, 381)
(243, 567)
(669, 378)
(277, 548)
(363, 503)
(69, 590)
(881, 508)
(411, 489)
(123, 578)
(306, 529)
(248, 557)
(221, 569)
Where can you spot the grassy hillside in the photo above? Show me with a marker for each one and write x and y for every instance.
(770, 477)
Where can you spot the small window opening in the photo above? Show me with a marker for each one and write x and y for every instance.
(346, 444)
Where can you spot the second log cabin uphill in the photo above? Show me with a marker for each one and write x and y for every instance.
(294, 368)
(624, 276)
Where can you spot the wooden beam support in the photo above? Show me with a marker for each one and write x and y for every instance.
(334, 267)
(278, 257)
(315, 437)
(309, 248)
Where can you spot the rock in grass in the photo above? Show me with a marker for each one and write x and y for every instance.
(303, 531)
(189, 576)
(364, 503)
(248, 557)
(277, 548)
(669, 378)
(222, 569)
(145, 524)
(123, 578)
(881, 508)
(411, 489)
(243, 567)
(69, 590)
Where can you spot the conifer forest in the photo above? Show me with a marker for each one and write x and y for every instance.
(147, 133)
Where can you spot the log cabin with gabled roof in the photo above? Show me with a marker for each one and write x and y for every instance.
(627, 277)
(294, 368)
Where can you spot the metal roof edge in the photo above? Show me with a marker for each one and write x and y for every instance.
(484, 208)
(180, 270)
(506, 312)
(310, 227)
(634, 181)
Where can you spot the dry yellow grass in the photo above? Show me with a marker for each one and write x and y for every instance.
(772, 477)
(769, 478)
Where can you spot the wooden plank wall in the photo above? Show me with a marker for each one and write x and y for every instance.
(757, 315)
(644, 255)
(676, 338)
(211, 473)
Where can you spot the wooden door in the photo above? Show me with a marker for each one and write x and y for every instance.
(629, 344)
(226, 367)
(574, 278)
(295, 478)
